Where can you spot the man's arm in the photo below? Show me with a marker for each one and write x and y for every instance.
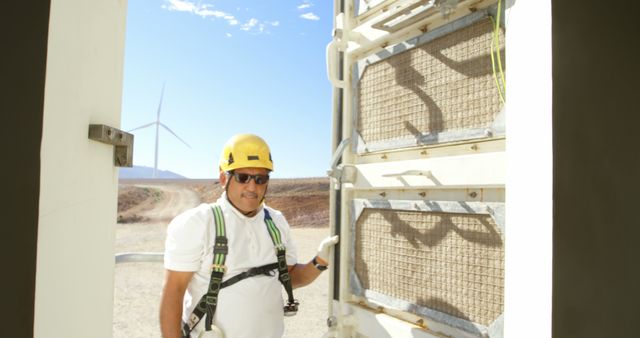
(175, 285)
(304, 274)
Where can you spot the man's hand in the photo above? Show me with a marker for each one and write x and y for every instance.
(325, 247)
(303, 274)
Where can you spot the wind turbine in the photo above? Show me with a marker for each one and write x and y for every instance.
(157, 123)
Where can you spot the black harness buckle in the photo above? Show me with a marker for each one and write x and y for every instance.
(220, 246)
(291, 308)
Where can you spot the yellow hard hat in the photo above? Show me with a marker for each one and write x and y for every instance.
(245, 151)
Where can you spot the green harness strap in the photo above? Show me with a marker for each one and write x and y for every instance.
(209, 301)
(291, 308)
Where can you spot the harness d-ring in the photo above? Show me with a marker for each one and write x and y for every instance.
(214, 333)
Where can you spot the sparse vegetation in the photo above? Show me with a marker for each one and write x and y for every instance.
(132, 197)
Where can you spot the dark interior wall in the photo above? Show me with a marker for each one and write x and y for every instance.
(596, 155)
(24, 29)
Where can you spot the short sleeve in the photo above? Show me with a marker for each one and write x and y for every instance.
(185, 241)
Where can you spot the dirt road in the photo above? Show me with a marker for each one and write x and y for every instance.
(138, 285)
(164, 202)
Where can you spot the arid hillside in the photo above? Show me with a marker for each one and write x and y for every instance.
(304, 202)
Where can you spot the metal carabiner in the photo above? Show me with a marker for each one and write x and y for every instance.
(214, 333)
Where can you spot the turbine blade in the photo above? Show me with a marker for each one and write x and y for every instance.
(160, 103)
(143, 126)
(174, 134)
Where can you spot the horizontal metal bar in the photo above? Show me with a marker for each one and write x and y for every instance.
(129, 257)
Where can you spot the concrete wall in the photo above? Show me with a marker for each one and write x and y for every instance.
(78, 194)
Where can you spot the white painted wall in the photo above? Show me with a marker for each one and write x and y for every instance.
(529, 238)
(78, 196)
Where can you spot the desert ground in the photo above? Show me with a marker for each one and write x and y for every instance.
(145, 207)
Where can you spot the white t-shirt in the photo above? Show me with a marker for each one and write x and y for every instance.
(250, 308)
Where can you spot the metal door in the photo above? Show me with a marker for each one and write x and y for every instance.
(419, 169)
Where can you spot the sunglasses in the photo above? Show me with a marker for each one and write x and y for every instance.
(245, 178)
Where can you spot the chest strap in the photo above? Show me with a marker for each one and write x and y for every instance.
(265, 270)
(209, 301)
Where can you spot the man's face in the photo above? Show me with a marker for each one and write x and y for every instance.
(245, 196)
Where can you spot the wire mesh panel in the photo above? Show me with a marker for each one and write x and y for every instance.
(436, 92)
(452, 263)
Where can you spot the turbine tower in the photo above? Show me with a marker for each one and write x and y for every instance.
(157, 123)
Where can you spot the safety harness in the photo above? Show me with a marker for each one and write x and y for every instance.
(209, 301)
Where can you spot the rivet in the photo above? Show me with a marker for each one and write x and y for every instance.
(424, 152)
(474, 147)
(423, 194)
(473, 194)
(384, 156)
(383, 194)
(332, 321)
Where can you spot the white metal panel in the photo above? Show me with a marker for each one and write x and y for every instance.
(478, 170)
(528, 289)
(78, 196)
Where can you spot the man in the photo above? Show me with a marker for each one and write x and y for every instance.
(240, 233)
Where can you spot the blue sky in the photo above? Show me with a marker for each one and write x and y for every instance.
(228, 67)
